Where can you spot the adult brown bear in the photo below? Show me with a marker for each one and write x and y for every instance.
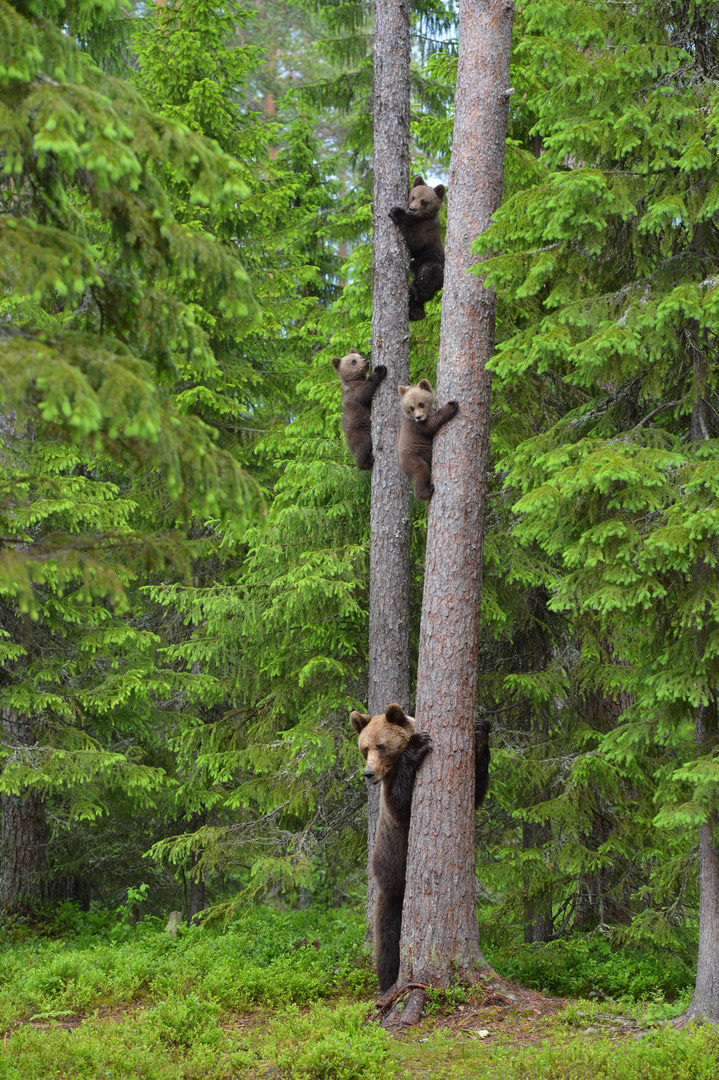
(393, 752)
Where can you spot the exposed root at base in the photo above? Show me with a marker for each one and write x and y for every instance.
(680, 1022)
(386, 1011)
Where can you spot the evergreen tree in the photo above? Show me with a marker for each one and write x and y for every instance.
(102, 284)
(607, 265)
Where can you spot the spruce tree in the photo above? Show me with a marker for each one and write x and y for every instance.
(607, 261)
(102, 286)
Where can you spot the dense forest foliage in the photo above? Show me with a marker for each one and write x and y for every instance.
(185, 212)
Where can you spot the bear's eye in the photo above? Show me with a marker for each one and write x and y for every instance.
(353, 363)
(381, 749)
(424, 202)
(364, 753)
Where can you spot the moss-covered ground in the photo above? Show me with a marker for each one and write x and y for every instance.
(285, 995)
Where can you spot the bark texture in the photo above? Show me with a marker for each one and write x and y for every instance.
(388, 674)
(23, 842)
(705, 1001)
(440, 939)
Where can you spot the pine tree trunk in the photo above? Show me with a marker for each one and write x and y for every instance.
(390, 524)
(440, 939)
(23, 842)
(705, 1001)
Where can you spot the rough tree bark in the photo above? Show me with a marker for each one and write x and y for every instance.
(390, 514)
(440, 938)
(23, 842)
(705, 1001)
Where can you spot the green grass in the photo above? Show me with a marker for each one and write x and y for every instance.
(250, 1002)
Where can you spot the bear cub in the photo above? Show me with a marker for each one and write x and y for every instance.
(393, 752)
(358, 389)
(419, 225)
(419, 426)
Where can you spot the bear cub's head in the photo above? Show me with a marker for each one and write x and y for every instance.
(350, 367)
(424, 201)
(382, 740)
(417, 401)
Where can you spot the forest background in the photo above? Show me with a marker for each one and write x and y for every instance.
(186, 203)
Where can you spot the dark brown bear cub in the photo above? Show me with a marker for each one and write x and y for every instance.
(393, 752)
(419, 225)
(418, 427)
(357, 393)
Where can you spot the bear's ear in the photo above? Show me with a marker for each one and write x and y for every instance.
(359, 721)
(354, 351)
(418, 181)
(439, 191)
(402, 390)
(336, 361)
(395, 714)
(425, 384)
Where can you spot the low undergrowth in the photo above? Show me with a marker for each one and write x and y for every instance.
(285, 995)
(269, 958)
(579, 966)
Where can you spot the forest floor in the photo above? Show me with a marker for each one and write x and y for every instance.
(287, 995)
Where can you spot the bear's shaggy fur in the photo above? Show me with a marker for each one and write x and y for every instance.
(419, 225)
(393, 752)
(418, 427)
(357, 394)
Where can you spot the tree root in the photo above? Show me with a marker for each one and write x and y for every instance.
(386, 1014)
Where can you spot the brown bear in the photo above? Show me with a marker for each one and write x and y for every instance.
(419, 225)
(393, 752)
(357, 394)
(418, 427)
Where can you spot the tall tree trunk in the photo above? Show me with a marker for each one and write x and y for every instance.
(390, 514)
(705, 1001)
(23, 843)
(440, 938)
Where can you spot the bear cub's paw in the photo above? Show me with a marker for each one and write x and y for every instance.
(397, 214)
(453, 406)
(380, 371)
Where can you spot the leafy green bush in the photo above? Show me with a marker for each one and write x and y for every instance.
(331, 1045)
(182, 1022)
(578, 966)
(266, 958)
